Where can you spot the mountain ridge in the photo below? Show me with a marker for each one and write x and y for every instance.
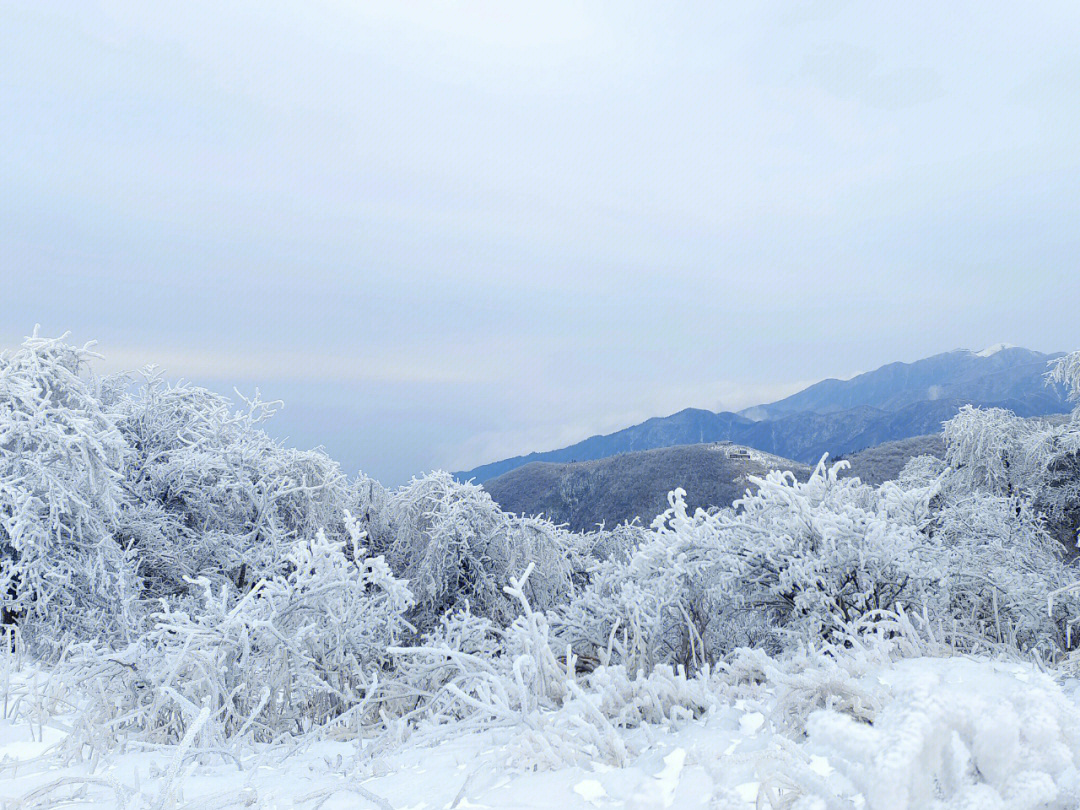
(986, 376)
(895, 401)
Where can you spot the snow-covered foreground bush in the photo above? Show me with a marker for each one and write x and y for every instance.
(850, 730)
(61, 497)
(801, 561)
(290, 654)
(188, 598)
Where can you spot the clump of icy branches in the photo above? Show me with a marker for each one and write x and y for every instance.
(61, 496)
(291, 653)
(456, 547)
(200, 581)
(797, 561)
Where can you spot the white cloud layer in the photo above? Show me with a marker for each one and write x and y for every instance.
(291, 366)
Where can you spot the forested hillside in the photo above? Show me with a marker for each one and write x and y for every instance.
(634, 485)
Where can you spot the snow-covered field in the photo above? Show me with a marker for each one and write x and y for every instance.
(917, 733)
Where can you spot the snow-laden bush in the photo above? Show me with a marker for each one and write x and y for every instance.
(797, 559)
(999, 453)
(471, 674)
(825, 553)
(288, 655)
(1059, 497)
(454, 545)
(471, 665)
(216, 496)
(1065, 370)
(113, 494)
(369, 503)
(799, 562)
(1001, 569)
(654, 607)
(63, 569)
(995, 451)
(618, 543)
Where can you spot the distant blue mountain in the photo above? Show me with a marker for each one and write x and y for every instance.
(999, 374)
(896, 401)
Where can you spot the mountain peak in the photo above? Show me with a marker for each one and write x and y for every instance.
(990, 351)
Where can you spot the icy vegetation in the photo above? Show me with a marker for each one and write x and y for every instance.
(197, 617)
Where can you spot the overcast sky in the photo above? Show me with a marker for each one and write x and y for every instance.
(446, 233)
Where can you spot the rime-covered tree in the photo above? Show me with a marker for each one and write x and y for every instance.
(63, 569)
(454, 546)
(995, 451)
(215, 495)
(295, 651)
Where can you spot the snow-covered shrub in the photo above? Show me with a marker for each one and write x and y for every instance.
(1065, 370)
(470, 671)
(656, 606)
(1059, 498)
(796, 560)
(291, 653)
(824, 553)
(63, 569)
(427, 676)
(453, 545)
(472, 674)
(617, 543)
(996, 450)
(369, 503)
(215, 495)
(921, 471)
(1000, 567)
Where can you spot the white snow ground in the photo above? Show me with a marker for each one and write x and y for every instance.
(945, 733)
